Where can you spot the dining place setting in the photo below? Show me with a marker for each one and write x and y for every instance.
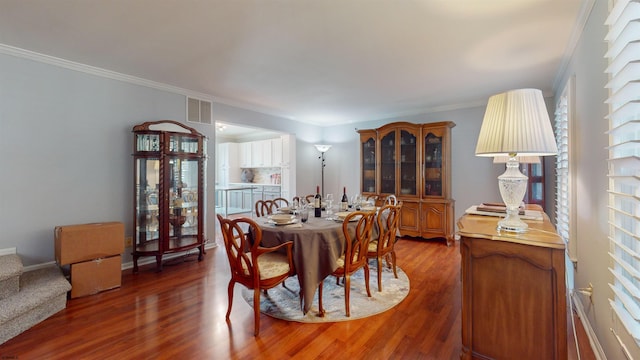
(288, 241)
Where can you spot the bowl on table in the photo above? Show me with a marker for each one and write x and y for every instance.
(284, 210)
(282, 218)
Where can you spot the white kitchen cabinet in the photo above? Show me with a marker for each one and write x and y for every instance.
(261, 153)
(244, 154)
(270, 192)
(257, 154)
(276, 152)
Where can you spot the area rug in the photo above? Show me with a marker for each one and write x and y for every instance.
(284, 302)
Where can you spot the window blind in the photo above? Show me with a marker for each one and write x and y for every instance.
(624, 161)
(563, 189)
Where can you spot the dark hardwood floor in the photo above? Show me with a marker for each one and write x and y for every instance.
(180, 314)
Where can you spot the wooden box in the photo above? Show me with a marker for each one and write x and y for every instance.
(91, 277)
(77, 243)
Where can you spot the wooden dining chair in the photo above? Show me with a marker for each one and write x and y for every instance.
(355, 255)
(388, 220)
(256, 267)
(374, 198)
(281, 202)
(391, 200)
(310, 198)
(265, 207)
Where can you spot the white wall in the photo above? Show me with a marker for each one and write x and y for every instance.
(587, 64)
(66, 136)
(66, 141)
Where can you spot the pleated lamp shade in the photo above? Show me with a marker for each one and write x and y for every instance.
(516, 122)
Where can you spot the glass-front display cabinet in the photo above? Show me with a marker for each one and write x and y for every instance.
(437, 206)
(169, 168)
(368, 160)
(413, 162)
(399, 166)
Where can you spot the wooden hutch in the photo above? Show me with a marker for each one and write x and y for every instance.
(412, 162)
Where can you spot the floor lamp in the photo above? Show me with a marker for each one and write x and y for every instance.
(323, 149)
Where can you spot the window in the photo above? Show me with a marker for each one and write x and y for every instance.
(535, 185)
(564, 178)
(624, 161)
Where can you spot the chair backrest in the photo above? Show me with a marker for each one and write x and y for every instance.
(265, 207)
(238, 243)
(281, 202)
(388, 221)
(357, 242)
(310, 198)
(391, 200)
(373, 198)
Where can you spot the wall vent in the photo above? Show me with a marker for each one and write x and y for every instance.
(199, 111)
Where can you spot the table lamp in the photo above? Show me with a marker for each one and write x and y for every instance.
(516, 123)
(323, 149)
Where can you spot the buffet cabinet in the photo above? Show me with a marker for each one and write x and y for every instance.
(412, 162)
(169, 167)
(514, 303)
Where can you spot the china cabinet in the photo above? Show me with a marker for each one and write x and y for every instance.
(412, 162)
(169, 168)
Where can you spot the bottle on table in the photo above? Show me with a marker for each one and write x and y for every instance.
(317, 203)
(344, 202)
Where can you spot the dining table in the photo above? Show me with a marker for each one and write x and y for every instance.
(317, 245)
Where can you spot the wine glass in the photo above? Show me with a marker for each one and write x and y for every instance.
(356, 201)
(304, 213)
(329, 200)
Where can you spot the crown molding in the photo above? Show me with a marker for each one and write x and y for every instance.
(576, 33)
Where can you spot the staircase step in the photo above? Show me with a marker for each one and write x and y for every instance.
(10, 271)
(43, 292)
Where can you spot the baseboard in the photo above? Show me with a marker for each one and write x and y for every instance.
(151, 259)
(39, 266)
(591, 334)
(125, 266)
(8, 251)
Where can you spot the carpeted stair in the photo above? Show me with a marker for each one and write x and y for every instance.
(27, 298)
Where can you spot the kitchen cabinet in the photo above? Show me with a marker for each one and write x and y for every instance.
(244, 153)
(270, 192)
(168, 184)
(276, 152)
(514, 303)
(412, 162)
(261, 153)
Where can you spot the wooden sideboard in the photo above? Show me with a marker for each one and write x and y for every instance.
(514, 301)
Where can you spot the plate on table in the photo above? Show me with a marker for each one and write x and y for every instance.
(340, 216)
(281, 218)
(292, 221)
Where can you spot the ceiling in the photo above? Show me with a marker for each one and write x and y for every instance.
(323, 62)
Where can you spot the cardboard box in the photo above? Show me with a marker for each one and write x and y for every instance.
(77, 243)
(91, 277)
